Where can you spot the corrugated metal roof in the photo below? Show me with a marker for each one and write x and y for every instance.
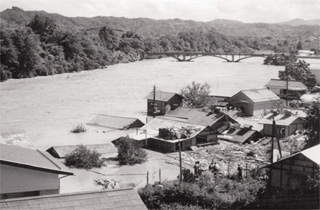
(161, 96)
(61, 151)
(257, 95)
(23, 157)
(281, 119)
(116, 122)
(260, 95)
(103, 199)
(282, 84)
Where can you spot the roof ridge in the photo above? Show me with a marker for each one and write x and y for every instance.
(49, 159)
(118, 116)
(82, 144)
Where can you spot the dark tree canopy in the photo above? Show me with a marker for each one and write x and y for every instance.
(313, 124)
(299, 71)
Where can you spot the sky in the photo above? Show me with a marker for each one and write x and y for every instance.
(248, 11)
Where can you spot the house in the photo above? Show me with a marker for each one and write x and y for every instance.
(116, 122)
(316, 72)
(286, 124)
(305, 52)
(107, 150)
(255, 101)
(240, 135)
(28, 172)
(289, 177)
(101, 199)
(162, 102)
(165, 135)
(295, 88)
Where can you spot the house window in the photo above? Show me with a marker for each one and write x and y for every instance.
(19, 194)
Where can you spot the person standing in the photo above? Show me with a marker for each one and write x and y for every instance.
(196, 168)
(239, 172)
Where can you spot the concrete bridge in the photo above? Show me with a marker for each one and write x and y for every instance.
(189, 56)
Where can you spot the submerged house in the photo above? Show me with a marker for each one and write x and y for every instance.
(118, 199)
(106, 150)
(28, 172)
(286, 124)
(162, 102)
(279, 87)
(165, 135)
(255, 101)
(116, 122)
(289, 176)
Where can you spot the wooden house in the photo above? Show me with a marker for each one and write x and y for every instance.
(288, 177)
(28, 172)
(116, 122)
(151, 137)
(295, 88)
(162, 102)
(255, 101)
(286, 124)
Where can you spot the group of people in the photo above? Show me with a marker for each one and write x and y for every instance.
(214, 169)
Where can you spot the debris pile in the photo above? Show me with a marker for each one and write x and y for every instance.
(173, 133)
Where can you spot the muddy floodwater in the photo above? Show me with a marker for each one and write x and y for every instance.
(45, 109)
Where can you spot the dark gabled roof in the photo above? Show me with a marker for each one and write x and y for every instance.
(116, 122)
(292, 85)
(257, 95)
(195, 116)
(102, 199)
(31, 159)
(162, 96)
(61, 151)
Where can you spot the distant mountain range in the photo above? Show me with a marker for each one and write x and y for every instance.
(16, 17)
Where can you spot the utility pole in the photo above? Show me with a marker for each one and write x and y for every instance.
(154, 101)
(273, 126)
(287, 86)
(180, 161)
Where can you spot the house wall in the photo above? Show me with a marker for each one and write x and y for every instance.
(15, 179)
(316, 72)
(260, 107)
(167, 146)
(289, 130)
(159, 104)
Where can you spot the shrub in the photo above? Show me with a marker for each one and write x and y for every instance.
(129, 152)
(82, 157)
(78, 129)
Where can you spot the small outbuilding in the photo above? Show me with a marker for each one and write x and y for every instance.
(101, 199)
(295, 88)
(316, 72)
(159, 103)
(240, 135)
(286, 124)
(107, 150)
(255, 101)
(28, 172)
(116, 122)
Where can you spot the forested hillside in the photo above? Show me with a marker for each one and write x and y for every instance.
(36, 43)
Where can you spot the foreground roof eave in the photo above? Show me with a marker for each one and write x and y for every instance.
(34, 167)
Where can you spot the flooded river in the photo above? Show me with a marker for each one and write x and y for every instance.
(46, 108)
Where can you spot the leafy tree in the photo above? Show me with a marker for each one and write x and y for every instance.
(299, 71)
(82, 157)
(129, 152)
(196, 94)
(44, 26)
(313, 124)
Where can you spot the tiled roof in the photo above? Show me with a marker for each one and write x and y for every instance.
(116, 122)
(61, 151)
(281, 119)
(161, 96)
(292, 85)
(258, 95)
(30, 158)
(104, 199)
